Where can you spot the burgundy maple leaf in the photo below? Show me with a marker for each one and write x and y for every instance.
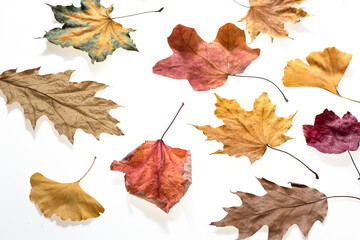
(332, 134)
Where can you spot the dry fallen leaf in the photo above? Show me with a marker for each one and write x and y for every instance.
(68, 105)
(157, 172)
(269, 16)
(279, 209)
(66, 200)
(90, 28)
(206, 65)
(325, 70)
(334, 135)
(248, 133)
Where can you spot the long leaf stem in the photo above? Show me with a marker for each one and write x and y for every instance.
(234, 75)
(357, 198)
(172, 121)
(354, 164)
(241, 4)
(350, 99)
(316, 175)
(87, 170)
(131, 15)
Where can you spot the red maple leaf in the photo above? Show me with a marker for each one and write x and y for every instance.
(157, 172)
(206, 65)
(332, 134)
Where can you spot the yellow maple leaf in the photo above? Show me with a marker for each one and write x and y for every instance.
(248, 133)
(269, 16)
(325, 70)
(90, 28)
(66, 200)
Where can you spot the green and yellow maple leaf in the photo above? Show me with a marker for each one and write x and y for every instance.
(90, 28)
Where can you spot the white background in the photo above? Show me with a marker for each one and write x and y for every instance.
(150, 102)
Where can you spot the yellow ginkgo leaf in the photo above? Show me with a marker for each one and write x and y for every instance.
(324, 70)
(66, 200)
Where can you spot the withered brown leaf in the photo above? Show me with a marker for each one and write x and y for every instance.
(69, 105)
(269, 16)
(279, 209)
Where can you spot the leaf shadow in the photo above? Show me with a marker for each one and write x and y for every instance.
(298, 28)
(156, 214)
(70, 53)
(67, 53)
(338, 160)
(64, 223)
(231, 230)
(228, 230)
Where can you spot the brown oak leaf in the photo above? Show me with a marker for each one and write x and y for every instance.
(279, 209)
(269, 16)
(69, 105)
(66, 200)
(248, 133)
(206, 65)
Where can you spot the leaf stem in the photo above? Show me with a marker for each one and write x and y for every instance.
(349, 99)
(87, 170)
(172, 121)
(354, 164)
(241, 4)
(316, 175)
(322, 199)
(131, 15)
(234, 75)
(343, 197)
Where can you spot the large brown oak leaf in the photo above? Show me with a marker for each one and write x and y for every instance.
(69, 105)
(206, 65)
(279, 209)
(269, 16)
(248, 133)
